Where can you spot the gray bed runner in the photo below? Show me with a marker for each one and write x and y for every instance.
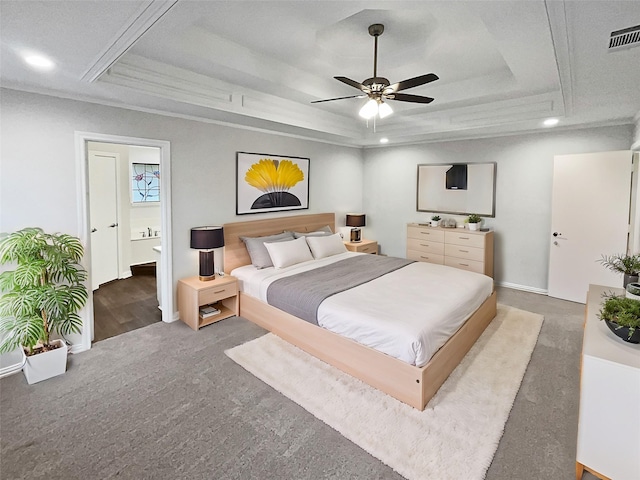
(301, 294)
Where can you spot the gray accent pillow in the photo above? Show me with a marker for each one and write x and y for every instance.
(258, 252)
(321, 232)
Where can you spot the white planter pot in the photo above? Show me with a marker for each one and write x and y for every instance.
(46, 365)
(435, 223)
(473, 226)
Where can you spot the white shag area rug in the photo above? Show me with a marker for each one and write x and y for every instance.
(457, 434)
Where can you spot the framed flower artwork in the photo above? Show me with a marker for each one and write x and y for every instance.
(271, 183)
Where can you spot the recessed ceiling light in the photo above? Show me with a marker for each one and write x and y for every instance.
(384, 140)
(551, 122)
(39, 62)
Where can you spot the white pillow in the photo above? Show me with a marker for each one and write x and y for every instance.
(326, 246)
(285, 254)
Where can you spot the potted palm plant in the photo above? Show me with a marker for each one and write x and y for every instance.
(42, 296)
(473, 221)
(628, 265)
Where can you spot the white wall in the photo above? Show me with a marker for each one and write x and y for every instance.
(38, 184)
(523, 192)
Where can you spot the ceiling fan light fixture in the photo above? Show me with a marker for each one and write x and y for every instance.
(369, 110)
(384, 110)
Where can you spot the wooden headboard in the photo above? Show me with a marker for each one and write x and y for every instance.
(235, 253)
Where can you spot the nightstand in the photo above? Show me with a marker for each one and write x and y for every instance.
(194, 293)
(365, 246)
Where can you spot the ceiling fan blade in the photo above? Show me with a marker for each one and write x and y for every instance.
(405, 97)
(412, 82)
(338, 98)
(352, 83)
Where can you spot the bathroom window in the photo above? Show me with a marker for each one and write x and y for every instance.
(145, 183)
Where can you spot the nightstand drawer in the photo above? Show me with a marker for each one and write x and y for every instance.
(365, 246)
(459, 251)
(369, 248)
(215, 293)
(425, 257)
(426, 245)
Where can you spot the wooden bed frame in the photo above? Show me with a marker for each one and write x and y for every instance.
(412, 385)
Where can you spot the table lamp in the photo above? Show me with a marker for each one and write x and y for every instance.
(206, 239)
(355, 220)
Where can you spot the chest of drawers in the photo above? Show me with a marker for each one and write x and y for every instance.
(455, 247)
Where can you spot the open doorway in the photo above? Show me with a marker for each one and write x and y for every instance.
(125, 218)
(135, 229)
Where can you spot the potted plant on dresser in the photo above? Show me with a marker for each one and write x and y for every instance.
(474, 221)
(435, 220)
(628, 265)
(622, 316)
(42, 296)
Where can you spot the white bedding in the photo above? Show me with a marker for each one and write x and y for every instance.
(408, 314)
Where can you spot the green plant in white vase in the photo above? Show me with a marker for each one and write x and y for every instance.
(44, 293)
(435, 220)
(474, 221)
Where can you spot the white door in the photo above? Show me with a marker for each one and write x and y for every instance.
(589, 218)
(103, 211)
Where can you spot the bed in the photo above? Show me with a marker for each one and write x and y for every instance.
(393, 374)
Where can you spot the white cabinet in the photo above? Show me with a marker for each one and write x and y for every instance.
(609, 419)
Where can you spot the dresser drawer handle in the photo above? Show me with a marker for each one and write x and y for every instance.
(424, 244)
(463, 238)
(422, 256)
(464, 264)
(219, 291)
(425, 233)
(463, 251)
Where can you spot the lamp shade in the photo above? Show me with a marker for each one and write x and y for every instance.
(355, 220)
(206, 238)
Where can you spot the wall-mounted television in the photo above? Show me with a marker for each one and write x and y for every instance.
(457, 188)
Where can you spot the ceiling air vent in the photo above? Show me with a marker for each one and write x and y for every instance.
(626, 38)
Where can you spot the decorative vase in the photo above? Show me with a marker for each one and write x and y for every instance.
(45, 365)
(623, 332)
(629, 279)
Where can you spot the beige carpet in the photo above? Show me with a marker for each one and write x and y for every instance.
(457, 434)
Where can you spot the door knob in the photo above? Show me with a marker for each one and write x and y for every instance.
(555, 243)
(556, 234)
(94, 230)
(113, 225)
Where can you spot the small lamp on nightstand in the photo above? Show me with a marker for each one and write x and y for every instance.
(355, 220)
(206, 239)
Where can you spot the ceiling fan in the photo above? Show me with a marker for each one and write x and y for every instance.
(379, 89)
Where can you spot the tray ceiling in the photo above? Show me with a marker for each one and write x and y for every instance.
(504, 66)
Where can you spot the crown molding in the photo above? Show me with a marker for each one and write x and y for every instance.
(174, 83)
(127, 36)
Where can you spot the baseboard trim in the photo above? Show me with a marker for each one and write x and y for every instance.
(524, 288)
(126, 274)
(175, 317)
(77, 348)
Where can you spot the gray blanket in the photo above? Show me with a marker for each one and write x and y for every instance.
(301, 294)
